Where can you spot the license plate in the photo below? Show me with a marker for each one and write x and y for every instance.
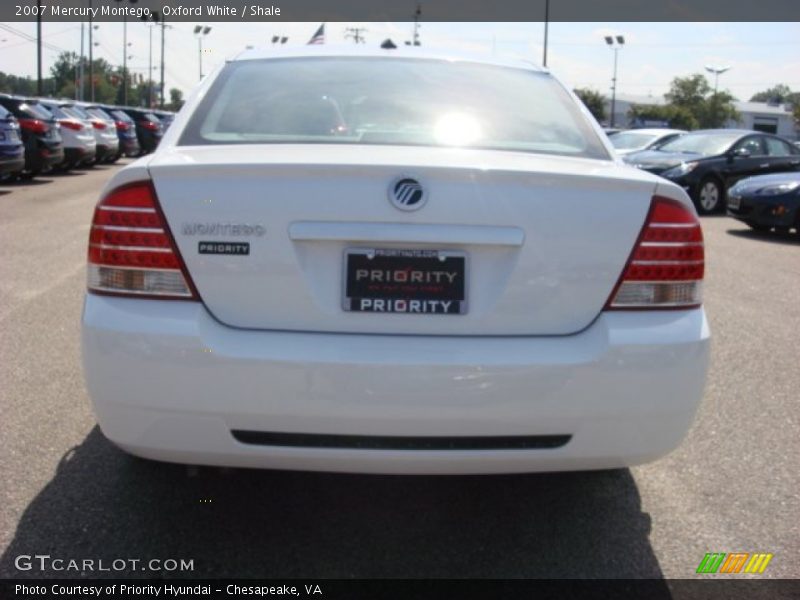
(734, 202)
(429, 282)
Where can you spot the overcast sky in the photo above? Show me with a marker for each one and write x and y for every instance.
(759, 54)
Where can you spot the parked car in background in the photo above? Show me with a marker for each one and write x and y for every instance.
(12, 150)
(80, 146)
(706, 162)
(354, 260)
(126, 132)
(767, 202)
(148, 128)
(634, 140)
(166, 117)
(40, 135)
(104, 127)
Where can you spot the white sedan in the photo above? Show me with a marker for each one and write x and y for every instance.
(392, 261)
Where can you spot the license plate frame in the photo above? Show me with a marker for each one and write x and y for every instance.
(734, 202)
(433, 292)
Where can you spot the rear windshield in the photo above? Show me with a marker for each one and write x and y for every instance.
(707, 144)
(99, 113)
(629, 140)
(121, 116)
(391, 101)
(34, 111)
(77, 112)
(57, 111)
(4, 114)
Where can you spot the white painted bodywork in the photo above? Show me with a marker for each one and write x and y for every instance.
(270, 348)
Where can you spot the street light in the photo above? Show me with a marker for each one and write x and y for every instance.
(717, 71)
(615, 43)
(200, 31)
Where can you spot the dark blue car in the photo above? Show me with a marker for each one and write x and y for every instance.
(12, 151)
(767, 201)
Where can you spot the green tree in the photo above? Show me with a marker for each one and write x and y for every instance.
(594, 101)
(175, 99)
(779, 94)
(24, 86)
(694, 94)
(678, 117)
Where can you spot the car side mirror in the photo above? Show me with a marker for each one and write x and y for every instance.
(741, 152)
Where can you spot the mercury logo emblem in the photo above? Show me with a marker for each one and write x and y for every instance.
(406, 193)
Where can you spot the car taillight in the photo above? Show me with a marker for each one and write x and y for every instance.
(149, 125)
(98, 125)
(665, 269)
(123, 126)
(33, 125)
(74, 125)
(131, 249)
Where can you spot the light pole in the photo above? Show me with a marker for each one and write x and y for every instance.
(717, 71)
(201, 31)
(615, 43)
(546, 22)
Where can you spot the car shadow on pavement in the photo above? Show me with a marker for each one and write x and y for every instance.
(772, 237)
(70, 173)
(104, 504)
(38, 180)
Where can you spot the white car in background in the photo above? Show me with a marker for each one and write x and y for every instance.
(396, 262)
(80, 146)
(633, 140)
(104, 126)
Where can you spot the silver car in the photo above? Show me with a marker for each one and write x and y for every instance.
(105, 129)
(80, 146)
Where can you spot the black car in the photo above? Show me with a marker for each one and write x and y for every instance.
(707, 162)
(12, 151)
(148, 128)
(166, 117)
(40, 135)
(767, 201)
(126, 131)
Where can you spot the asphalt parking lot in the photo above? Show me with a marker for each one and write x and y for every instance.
(731, 487)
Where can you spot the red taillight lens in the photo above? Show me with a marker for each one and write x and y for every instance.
(666, 267)
(33, 125)
(123, 126)
(131, 250)
(149, 125)
(98, 125)
(74, 125)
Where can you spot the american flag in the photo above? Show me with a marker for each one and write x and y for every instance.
(319, 37)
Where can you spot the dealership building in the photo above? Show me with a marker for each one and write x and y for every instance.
(760, 116)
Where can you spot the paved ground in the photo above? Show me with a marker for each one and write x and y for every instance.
(66, 492)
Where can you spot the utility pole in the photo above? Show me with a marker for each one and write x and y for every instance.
(81, 65)
(163, 27)
(417, 15)
(546, 23)
(91, 55)
(200, 31)
(615, 43)
(150, 69)
(356, 34)
(39, 47)
(717, 71)
(125, 60)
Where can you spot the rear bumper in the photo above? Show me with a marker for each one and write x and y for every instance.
(12, 163)
(78, 154)
(169, 382)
